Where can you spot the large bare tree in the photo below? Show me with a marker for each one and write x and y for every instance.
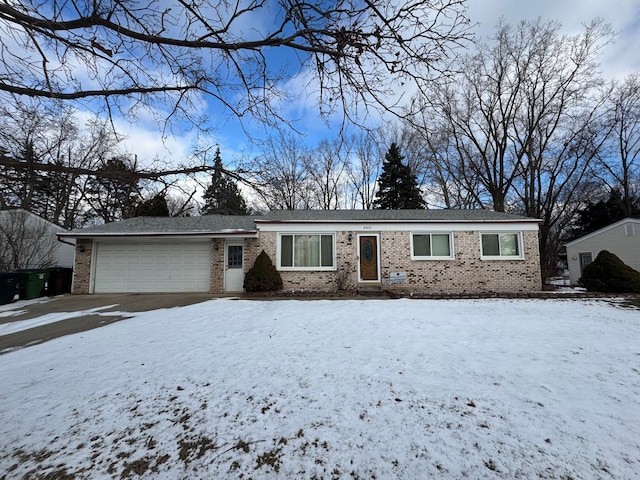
(279, 174)
(326, 167)
(363, 169)
(523, 120)
(619, 164)
(48, 159)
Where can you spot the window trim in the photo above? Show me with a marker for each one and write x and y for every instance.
(305, 269)
(500, 256)
(452, 253)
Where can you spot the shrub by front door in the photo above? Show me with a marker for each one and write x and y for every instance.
(233, 267)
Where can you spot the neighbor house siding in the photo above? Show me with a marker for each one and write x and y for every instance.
(613, 239)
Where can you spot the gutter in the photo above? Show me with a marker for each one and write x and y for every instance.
(522, 220)
(64, 241)
(241, 233)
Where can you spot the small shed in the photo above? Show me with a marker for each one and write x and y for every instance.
(621, 238)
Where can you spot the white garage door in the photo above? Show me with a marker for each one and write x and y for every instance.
(152, 267)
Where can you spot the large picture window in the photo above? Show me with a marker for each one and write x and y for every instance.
(307, 251)
(426, 246)
(501, 245)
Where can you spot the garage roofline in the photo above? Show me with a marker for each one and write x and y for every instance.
(232, 234)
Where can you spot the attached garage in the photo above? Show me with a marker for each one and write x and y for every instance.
(152, 267)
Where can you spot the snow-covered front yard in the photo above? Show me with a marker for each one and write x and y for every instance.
(332, 389)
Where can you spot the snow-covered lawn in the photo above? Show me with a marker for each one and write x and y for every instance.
(332, 389)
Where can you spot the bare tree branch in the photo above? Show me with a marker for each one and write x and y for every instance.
(113, 174)
(147, 53)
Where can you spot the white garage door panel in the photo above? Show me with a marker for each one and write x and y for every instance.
(152, 267)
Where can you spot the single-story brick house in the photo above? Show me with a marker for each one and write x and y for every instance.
(407, 251)
(621, 238)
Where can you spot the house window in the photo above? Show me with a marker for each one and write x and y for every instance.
(501, 245)
(585, 259)
(307, 252)
(234, 256)
(431, 246)
(629, 230)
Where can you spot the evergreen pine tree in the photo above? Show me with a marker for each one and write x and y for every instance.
(155, 206)
(223, 196)
(397, 186)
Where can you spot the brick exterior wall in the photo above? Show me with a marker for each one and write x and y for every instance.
(467, 273)
(344, 278)
(250, 252)
(217, 265)
(82, 266)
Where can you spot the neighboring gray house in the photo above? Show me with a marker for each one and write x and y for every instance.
(621, 238)
(407, 251)
(29, 241)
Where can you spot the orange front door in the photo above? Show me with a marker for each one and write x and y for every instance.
(368, 258)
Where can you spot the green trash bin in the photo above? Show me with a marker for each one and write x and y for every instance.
(33, 283)
(8, 287)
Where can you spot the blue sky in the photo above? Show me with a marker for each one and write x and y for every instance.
(621, 58)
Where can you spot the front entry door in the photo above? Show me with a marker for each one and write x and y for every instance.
(368, 246)
(233, 267)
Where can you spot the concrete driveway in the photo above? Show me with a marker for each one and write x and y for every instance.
(19, 311)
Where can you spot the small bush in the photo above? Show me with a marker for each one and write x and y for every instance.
(263, 276)
(608, 274)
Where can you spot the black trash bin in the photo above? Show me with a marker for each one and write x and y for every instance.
(60, 280)
(8, 287)
(33, 283)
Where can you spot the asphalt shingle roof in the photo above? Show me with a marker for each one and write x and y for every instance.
(440, 215)
(172, 225)
(229, 224)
